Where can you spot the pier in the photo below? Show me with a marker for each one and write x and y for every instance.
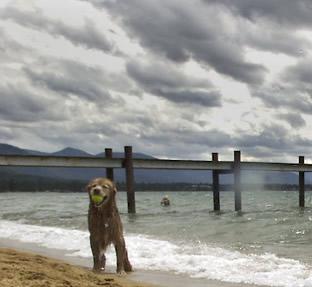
(129, 164)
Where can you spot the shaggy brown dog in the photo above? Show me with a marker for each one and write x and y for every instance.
(105, 225)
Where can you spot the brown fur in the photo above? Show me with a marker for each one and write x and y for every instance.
(105, 226)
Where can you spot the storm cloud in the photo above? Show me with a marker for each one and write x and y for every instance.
(291, 90)
(181, 32)
(300, 76)
(88, 35)
(273, 141)
(191, 79)
(286, 12)
(22, 105)
(278, 96)
(68, 77)
(295, 120)
(168, 82)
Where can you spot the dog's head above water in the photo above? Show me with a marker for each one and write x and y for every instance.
(101, 191)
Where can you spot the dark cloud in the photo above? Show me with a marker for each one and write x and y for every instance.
(153, 74)
(271, 136)
(285, 12)
(202, 98)
(271, 25)
(264, 25)
(295, 120)
(183, 141)
(189, 136)
(9, 49)
(181, 32)
(300, 76)
(69, 77)
(17, 103)
(275, 39)
(291, 90)
(73, 78)
(6, 133)
(280, 96)
(167, 81)
(87, 35)
(273, 141)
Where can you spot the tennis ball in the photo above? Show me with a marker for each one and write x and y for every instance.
(97, 198)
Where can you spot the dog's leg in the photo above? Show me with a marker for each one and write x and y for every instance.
(127, 264)
(96, 253)
(120, 257)
(102, 260)
(123, 264)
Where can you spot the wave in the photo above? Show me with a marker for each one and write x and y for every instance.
(197, 260)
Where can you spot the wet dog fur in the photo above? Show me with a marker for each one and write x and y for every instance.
(105, 226)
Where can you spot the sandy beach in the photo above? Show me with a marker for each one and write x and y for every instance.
(27, 269)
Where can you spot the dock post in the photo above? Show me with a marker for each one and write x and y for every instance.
(109, 171)
(215, 185)
(128, 165)
(301, 183)
(237, 180)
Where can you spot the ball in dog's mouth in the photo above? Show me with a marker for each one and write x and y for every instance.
(98, 199)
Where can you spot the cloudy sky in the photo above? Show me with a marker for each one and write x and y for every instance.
(172, 78)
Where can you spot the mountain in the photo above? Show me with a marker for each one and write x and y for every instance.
(6, 149)
(69, 151)
(121, 155)
(141, 176)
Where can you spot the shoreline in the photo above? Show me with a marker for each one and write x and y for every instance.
(140, 278)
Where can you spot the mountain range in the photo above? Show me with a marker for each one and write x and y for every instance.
(141, 176)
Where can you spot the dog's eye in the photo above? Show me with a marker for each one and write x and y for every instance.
(106, 186)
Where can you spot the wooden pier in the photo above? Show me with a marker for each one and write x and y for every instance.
(129, 164)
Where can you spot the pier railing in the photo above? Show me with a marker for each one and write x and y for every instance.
(129, 164)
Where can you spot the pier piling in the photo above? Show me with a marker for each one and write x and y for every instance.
(301, 183)
(237, 180)
(128, 165)
(215, 185)
(109, 171)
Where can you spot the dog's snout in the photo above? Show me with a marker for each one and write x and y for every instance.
(96, 191)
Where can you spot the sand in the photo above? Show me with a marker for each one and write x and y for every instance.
(27, 269)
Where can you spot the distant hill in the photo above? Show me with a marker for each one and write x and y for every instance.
(141, 176)
(121, 155)
(12, 150)
(6, 149)
(69, 151)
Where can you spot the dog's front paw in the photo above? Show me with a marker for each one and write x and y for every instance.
(128, 268)
(98, 270)
(121, 273)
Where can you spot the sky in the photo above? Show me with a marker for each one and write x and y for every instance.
(173, 78)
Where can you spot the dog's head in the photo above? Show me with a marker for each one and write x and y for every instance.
(101, 191)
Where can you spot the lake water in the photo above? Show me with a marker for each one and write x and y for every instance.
(270, 243)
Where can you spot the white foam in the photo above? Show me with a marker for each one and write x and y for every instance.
(200, 261)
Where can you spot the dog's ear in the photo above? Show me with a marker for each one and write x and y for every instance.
(88, 187)
(114, 188)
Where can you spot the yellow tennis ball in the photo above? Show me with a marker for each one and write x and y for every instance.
(97, 198)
